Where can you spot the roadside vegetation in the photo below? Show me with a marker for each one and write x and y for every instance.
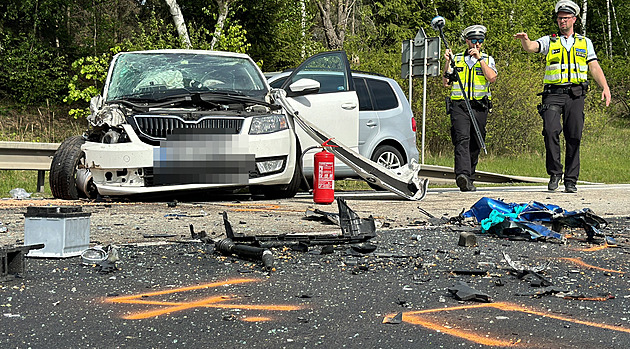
(54, 55)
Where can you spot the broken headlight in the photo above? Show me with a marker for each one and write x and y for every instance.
(268, 124)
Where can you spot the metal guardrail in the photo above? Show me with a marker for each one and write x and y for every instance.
(38, 156)
(28, 156)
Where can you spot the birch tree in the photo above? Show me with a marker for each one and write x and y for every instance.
(180, 24)
(224, 7)
(334, 18)
(610, 50)
(584, 9)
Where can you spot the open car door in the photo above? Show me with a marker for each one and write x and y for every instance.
(334, 108)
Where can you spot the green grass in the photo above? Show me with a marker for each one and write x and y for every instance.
(604, 159)
(22, 179)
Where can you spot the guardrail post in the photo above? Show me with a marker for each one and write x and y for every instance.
(41, 177)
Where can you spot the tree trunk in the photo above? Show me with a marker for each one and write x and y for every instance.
(609, 28)
(335, 32)
(623, 39)
(584, 8)
(180, 24)
(224, 7)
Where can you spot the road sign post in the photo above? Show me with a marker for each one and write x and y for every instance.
(420, 57)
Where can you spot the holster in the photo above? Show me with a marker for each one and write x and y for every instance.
(542, 108)
(578, 90)
(482, 104)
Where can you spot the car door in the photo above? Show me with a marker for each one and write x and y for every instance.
(368, 118)
(334, 109)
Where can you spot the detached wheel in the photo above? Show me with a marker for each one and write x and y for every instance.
(65, 175)
(388, 157)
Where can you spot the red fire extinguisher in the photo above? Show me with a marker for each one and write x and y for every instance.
(324, 176)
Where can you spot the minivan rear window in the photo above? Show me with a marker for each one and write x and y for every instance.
(384, 97)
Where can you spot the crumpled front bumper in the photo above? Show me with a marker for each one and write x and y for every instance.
(190, 162)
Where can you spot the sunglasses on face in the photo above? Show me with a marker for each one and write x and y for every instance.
(474, 41)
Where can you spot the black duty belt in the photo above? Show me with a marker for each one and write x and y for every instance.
(557, 89)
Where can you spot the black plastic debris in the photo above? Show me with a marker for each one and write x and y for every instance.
(12, 260)
(354, 229)
(202, 235)
(319, 215)
(432, 219)
(394, 320)
(228, 247)
(547, 291)
(463, 292)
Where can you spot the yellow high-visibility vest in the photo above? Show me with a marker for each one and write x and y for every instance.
(476, 86)
(564, 66)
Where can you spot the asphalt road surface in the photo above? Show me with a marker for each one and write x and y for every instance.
(171, 291)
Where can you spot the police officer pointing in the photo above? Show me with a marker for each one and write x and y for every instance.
(476, 71)
(569, 57)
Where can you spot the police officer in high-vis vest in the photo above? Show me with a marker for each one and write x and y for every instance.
(476, 71)
(569, 57)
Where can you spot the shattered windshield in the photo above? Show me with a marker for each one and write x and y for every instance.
(159, 75)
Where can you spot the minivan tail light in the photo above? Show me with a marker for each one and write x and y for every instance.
(413, 124)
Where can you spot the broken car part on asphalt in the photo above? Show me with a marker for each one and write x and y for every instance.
(12, 260)
(506, 219)
(354, 229)
(403, 181)
(463, 292)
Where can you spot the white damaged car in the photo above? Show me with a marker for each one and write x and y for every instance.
(181, 120)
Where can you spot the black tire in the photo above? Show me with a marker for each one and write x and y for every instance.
(63, 169)
(389, 157)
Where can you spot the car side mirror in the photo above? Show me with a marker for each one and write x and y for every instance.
(96, 103)
(303, 87)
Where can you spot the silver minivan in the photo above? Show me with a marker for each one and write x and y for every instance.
(387, 128)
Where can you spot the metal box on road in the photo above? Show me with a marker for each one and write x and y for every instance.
(64, 230)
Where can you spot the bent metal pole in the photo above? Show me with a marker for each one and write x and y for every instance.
(438, 23)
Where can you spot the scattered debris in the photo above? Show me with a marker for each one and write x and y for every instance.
(519, 267)
(103, 258)
(19, 193)
(12, 260)
(394, 320)
(547, 291)
(509, 219)
(354, 230)
(529, 274)
(463, 292)
(228, 247)
(467, 239)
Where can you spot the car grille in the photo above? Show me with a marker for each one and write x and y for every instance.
(158, 127)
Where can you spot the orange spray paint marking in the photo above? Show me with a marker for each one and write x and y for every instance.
(579, 262)
(257, 319)
(414, 317)
(592, 249)
(210, 302)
